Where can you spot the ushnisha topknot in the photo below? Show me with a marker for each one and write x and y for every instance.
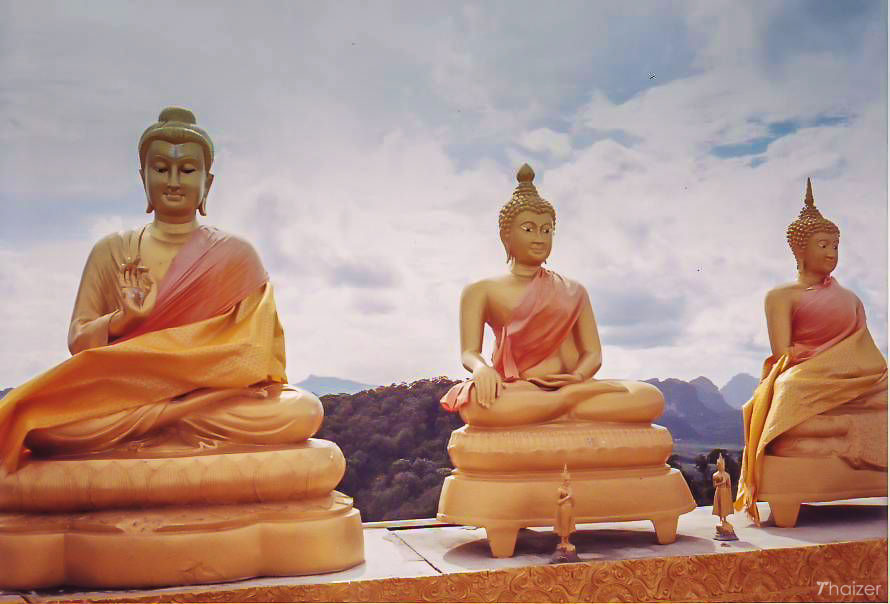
(809, 222)
(525, 197)
(176, 125)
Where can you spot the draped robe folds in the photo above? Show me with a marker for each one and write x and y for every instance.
(832, 368)
(214, 327)
(535, 331)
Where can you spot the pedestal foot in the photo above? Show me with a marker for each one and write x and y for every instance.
(784, 513)
(502, 540)
(665, 529)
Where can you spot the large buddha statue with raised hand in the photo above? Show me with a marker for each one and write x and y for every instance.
(175, 400)
(816, 426)
(536, 408)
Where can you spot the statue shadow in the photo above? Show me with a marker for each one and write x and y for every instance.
(535, 546)
(821, 523)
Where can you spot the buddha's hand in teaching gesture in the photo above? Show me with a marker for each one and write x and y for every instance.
(137, 294)
(488, 385)
(556, 380)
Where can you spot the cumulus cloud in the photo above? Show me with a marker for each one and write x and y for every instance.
(557, 144)
(365, 152)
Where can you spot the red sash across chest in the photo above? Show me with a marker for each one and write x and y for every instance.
(535, 330)
(211, 273)
(825, 315)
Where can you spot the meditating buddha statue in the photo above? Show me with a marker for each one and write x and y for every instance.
(816, 426)
(536, 408)
(169, 448)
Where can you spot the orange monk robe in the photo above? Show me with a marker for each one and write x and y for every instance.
(832, 362)
(536, 329)
(214, 325)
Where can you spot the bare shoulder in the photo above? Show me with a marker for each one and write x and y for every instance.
(120, 240)
(478, 289)
(783, 294)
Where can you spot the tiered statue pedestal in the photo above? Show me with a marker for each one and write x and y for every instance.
(507, 479)
(154, 521)
(790, 481)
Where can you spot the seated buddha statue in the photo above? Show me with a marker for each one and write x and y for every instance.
(816, 426)
(537, 405)
(175, 395)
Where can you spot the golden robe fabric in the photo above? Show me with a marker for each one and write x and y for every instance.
(215, 326)
(852, 372)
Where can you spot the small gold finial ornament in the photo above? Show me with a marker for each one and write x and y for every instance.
(525, 197)
(808, 199)
(809, 222)
(525, 173)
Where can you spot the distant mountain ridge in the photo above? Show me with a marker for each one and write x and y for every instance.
(321, 385)
(694, 411)
(710, 396)
(697, 411)
(738, 390)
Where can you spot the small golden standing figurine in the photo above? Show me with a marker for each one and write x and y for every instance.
(723, 502)
(565, 521)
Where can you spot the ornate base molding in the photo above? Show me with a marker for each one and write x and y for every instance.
(179, 545)
(788, 574)
(503, 504)
(790, 481)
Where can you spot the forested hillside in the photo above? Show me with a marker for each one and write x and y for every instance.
(395, 437)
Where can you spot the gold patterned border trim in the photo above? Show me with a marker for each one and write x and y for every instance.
(787, 574)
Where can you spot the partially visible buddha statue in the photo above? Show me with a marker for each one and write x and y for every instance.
(537, 407)
(816, 427)
(175, 395)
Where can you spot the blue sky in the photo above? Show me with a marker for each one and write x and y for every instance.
(365, 150)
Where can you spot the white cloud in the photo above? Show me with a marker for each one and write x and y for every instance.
(557, 144)
(366, 152)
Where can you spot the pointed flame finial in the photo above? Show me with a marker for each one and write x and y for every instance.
(525, 174)
(809, 221)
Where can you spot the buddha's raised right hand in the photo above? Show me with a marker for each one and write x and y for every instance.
(488, 385)
(137, 295)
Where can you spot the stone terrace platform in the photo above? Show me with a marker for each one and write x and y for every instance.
(842, 545)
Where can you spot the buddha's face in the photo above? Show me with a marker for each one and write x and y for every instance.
(176, 179)
(820, 254)
(531, 237)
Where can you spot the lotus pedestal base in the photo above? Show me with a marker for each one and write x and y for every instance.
(791, 481)
(504, 503)
(179, 545)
